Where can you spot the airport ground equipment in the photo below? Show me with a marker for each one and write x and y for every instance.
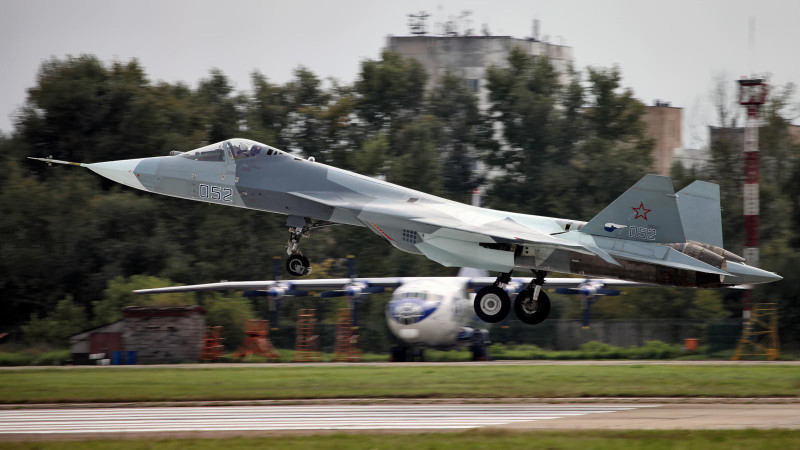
(256, 341)
(346, 348)
(307, 343)
(212, 344)
(760, 334)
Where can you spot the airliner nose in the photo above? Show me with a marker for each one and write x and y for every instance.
(122, 171)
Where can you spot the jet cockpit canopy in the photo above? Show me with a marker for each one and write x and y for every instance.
(234, 148)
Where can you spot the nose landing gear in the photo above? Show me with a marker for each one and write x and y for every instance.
(298, 265)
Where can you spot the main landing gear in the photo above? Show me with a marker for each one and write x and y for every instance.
(531, 305)
(296, 264)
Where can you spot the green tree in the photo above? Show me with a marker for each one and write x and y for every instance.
(418, 167)
(390, 91)
(216, 95)
(565, 150)
(231, 313)
(119, 294)
(465, 135)
(64, 321)
(267, 112)
(306, 129)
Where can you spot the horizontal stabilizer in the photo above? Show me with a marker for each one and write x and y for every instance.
(648, 211)
(674, 259)
(701, 214)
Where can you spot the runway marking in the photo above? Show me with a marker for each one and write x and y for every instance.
(277, 418)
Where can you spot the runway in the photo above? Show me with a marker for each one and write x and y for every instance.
(184, 421)
(287, 418)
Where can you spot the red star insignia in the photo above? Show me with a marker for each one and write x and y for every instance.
(641, 211)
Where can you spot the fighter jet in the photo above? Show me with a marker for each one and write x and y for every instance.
(649, 234)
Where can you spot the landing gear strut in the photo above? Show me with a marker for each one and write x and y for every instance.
(297, 264)
(492, 302)
(532, 305)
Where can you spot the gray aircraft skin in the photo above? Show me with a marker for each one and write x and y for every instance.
(649, 234)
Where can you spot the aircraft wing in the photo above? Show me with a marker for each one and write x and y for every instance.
(320, 284)
(509, 231)
(385, 282)
(480, 282)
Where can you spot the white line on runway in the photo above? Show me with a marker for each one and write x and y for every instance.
(276, 418)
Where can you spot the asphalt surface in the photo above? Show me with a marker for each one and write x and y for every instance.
(216, 421)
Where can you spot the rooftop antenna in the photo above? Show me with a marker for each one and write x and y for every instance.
(752, 39)
(466, 22)
(417, 23)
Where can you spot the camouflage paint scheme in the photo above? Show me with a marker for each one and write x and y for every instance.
(643, 236)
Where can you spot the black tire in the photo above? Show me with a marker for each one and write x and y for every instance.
(478, 350)
(297, 265)
(525, 314)
(399, 354)
(492, 304)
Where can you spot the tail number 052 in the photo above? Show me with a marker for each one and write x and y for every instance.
(647, 234)
(215, 193)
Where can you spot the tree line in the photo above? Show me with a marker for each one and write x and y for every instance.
(74, 244)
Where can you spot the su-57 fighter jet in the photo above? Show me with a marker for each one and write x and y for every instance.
(649, 234)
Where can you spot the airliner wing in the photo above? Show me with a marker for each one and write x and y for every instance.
(312, 285)
(304, 285)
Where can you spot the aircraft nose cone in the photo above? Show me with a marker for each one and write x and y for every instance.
(750, 275)
(122, 171)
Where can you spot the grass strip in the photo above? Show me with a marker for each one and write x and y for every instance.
(477, 439)
(269, 382)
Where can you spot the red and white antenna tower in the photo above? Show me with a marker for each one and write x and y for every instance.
(752, 95)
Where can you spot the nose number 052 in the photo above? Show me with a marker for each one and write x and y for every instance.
(215, 193)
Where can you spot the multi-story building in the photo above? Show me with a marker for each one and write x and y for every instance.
(664, 125)
(470, 56)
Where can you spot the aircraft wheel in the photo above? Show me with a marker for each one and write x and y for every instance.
(478, 348)
(399, 354)
(492, 304)
(529, 312)
(298, 265)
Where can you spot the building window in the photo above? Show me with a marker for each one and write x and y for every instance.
(473, 84)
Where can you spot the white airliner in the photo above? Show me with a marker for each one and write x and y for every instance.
(434, 312)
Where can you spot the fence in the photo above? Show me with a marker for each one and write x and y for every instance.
(553, 334)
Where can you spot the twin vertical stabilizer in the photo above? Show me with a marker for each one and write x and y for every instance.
(651, 211)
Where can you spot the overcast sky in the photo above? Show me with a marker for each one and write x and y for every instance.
(666, 50)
